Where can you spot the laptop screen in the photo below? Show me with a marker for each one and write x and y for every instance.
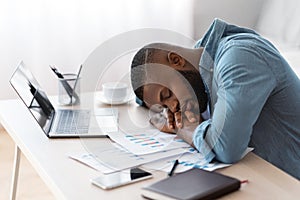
(33, 96)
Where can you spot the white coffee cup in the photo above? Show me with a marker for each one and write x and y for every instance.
(115, 91)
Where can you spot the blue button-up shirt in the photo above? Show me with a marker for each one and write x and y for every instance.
(254, 99)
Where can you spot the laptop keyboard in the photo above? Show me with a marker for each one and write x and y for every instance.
(73, 121)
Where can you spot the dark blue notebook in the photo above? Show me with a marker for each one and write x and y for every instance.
(192, 184)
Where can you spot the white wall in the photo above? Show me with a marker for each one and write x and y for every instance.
(240, 12)
(65, 32)
(279, 21)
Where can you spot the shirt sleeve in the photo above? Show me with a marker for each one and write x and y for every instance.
(244, 81)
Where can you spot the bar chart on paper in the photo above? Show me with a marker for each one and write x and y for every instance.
(147, 141)
(144, 140)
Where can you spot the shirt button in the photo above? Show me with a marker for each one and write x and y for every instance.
(211, 69)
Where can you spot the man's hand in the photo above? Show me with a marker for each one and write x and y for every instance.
(169, 122)
(164, 121)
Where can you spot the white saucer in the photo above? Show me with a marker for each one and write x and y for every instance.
(100, 97)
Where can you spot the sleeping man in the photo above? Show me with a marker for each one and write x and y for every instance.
(231, 91)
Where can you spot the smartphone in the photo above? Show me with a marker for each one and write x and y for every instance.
(117, 179)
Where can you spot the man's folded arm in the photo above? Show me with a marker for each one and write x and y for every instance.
(245, 82)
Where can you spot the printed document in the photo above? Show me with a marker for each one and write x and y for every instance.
(141, 142)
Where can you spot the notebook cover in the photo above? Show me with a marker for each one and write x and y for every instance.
(192, 184)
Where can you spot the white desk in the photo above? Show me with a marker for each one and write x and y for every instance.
(68, 179)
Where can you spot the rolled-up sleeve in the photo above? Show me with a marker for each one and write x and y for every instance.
(200, 143)
(244, 82)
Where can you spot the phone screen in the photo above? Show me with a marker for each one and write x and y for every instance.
(121, 178)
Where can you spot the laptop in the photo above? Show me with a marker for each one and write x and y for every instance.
(56, 123)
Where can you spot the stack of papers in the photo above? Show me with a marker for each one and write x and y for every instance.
(118, 158)
(188, 159)
(149, 148)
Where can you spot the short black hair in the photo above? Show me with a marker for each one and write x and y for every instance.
(138, 72)
(138, 75)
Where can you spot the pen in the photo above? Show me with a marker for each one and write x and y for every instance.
(58, 74)
(74, 88)
(174, 167)
(77, 77)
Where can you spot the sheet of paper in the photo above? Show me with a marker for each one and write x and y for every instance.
(90, 160)
(107, 119)
(117, 158)
(148, 141)
(188, 160)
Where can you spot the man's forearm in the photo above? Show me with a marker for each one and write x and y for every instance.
(187, 134)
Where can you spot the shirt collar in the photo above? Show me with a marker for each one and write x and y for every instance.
(211, 39)
(210, 42)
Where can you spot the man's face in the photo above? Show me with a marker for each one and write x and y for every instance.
(174, 83)
(176, 90)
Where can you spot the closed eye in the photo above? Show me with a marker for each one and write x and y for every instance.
(165, 94)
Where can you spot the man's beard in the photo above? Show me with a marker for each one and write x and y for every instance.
(197, 85)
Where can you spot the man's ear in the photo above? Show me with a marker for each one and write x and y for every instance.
(176, 60)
